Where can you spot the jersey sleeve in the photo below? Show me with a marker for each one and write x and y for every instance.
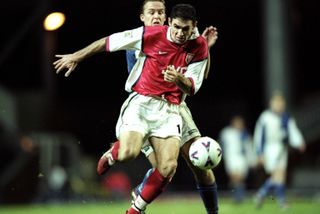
(295, 136)
(195, 72)
(126, 40)
(197, 67)
(259, 135)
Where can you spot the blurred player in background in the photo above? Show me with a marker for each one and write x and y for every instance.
(152, 13)
(158, 83)
(238, 155)
(16, 151)
(274, 132)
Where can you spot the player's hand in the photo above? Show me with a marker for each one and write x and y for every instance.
(170, 74)
(302, 148)
(211, 35)
(67, 61)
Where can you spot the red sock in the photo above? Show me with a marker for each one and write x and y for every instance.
(115, 150)
(132, 211)
(154, 186)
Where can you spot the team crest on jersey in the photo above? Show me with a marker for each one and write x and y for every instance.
(189, 57)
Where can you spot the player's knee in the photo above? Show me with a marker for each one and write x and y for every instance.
(128, 153)
(205, 176)
(168, 168)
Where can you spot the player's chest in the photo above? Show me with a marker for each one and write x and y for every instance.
(166, 54)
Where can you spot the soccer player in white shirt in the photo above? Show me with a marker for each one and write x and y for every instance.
(238, 153)
(274, 132)
(173, 66)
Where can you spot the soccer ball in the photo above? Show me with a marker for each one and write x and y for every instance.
(205, 153)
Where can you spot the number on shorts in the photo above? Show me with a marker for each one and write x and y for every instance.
(179, 130)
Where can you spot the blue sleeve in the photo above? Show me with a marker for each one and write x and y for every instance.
(131, 59)
(259, 136)
(285, 126)
(263, 139)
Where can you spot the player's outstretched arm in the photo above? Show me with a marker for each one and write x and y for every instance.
(211, 35)
(70, 61)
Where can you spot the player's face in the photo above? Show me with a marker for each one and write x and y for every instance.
(278, 104)
(181, 30)
(238, 122)
(153, 14)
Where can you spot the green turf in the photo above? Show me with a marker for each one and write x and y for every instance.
(172, 206)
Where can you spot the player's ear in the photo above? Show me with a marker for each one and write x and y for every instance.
(142, 17)
(169, 20)
(195, 29)
(195, 24)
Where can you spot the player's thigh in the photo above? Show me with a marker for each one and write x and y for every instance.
(130, 144)
(167, 152)
(165, 148)
(148, 151)
(152, 159)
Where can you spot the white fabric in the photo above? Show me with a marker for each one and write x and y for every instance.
(274, 150)
(189, 129)
(238, 156)
(149, 116)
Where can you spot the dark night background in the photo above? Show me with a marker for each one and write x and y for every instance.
(88, 102)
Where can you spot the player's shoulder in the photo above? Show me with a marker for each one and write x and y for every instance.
(198, 38)
(156, 29)
(199, 45)
(226, 130)
(267, 115)
(154, 33)
(201, 39)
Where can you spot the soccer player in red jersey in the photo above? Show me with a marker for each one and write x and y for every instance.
(173, 66)
(152, 13)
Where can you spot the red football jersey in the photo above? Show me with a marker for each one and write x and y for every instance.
(159, 51)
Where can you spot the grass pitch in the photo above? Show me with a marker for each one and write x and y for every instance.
(176, 205)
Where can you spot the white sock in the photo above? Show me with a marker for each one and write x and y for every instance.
(140, 204)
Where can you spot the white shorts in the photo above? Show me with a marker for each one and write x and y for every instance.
(189, 129)
(149, 116)
(236, 164)
(275, 157)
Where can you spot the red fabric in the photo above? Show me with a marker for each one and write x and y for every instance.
(154, 186)
(117, 182)
(115, 150)
(160, 53)
(132, 211)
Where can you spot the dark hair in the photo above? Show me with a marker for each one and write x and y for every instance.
(184, 11)
(146, 1)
